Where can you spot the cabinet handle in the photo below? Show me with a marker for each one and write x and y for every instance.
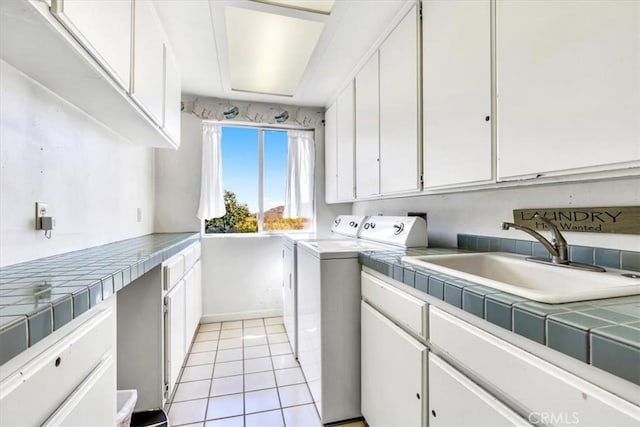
(487, 118)
(58, 361)
(418, 396)
(433, 412)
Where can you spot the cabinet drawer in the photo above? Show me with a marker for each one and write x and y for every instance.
(189, 258)
(173, 271)
(403, 308)
(536, 385)
(53, 374)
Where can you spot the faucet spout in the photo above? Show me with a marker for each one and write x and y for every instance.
(557, 247)
(549, 246)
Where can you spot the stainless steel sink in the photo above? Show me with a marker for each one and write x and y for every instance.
(539, 282)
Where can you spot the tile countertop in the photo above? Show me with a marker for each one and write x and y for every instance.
(40, 296)
(604, 333)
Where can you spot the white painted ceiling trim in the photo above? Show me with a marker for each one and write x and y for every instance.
(353, 31)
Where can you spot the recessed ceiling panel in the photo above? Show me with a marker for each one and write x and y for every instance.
(268, 53)
(320, 6)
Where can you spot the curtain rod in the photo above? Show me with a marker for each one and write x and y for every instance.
(262, 126)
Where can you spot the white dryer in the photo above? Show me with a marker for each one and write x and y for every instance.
(329, 310)
(343, 227)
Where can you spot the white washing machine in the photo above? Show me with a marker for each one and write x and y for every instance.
(344, 227)
(329, 310)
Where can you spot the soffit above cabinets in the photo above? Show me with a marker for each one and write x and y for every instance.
(197, 30)
(319, 6)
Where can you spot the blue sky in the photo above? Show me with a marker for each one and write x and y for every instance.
(240, 165)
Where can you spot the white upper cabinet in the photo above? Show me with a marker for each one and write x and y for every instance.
(103, 27)
(400, 160)
(568, 83)
(368, 130)
(456, 69)
(106, 57)
(172, 96)
(345, 144)
(148, 60)
(330, 155)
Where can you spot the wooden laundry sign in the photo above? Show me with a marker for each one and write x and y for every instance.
(621, 219)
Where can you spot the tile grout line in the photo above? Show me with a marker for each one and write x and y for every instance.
(216, 362)
(275, 379)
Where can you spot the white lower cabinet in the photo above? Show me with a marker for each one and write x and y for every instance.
(182, 276)
(455, 400)
(73, 376)
(175, 332)
(87, 402)
(393, 373)
(543, 391)
(289, 297)
(191, 322)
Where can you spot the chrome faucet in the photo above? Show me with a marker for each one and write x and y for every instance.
(557, 247)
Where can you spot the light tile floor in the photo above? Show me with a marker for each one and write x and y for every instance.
(243, 374)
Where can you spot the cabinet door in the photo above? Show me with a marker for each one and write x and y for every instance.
(456, 92)
(148, 60)
(400, 154)
(58, 368)
(175, 333)
(471, 406)
(345, 144)
(190, 320)
(197, 268)
(368, 130)
(568, 81)
(94, 399)
(104, 29)
(393, 373)
(330, 155)
(172, 100)
(289, 297)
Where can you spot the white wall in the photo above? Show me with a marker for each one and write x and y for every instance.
(242, 276)
(178, 180)
(481, 212)
(50, 151)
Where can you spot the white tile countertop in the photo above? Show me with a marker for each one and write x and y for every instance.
(40, 296)
(604, 333)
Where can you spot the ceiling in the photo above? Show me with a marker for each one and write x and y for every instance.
(197, 32)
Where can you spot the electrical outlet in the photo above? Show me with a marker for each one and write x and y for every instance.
(41, 211)
(139, 214)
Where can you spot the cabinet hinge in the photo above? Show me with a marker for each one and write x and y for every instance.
(420, 10)
(421, 179)
(166, 390)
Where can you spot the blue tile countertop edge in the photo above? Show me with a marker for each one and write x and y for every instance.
(604, 333)
(40, 296)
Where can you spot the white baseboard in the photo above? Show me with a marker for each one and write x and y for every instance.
(242, 315)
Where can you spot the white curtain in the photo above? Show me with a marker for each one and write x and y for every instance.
(211, 189)
(298, 201)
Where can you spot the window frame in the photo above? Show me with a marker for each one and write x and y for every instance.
(261, 232)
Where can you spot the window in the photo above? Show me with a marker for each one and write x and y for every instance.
(254, 177)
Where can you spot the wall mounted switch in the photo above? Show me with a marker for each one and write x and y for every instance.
(41, 211)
